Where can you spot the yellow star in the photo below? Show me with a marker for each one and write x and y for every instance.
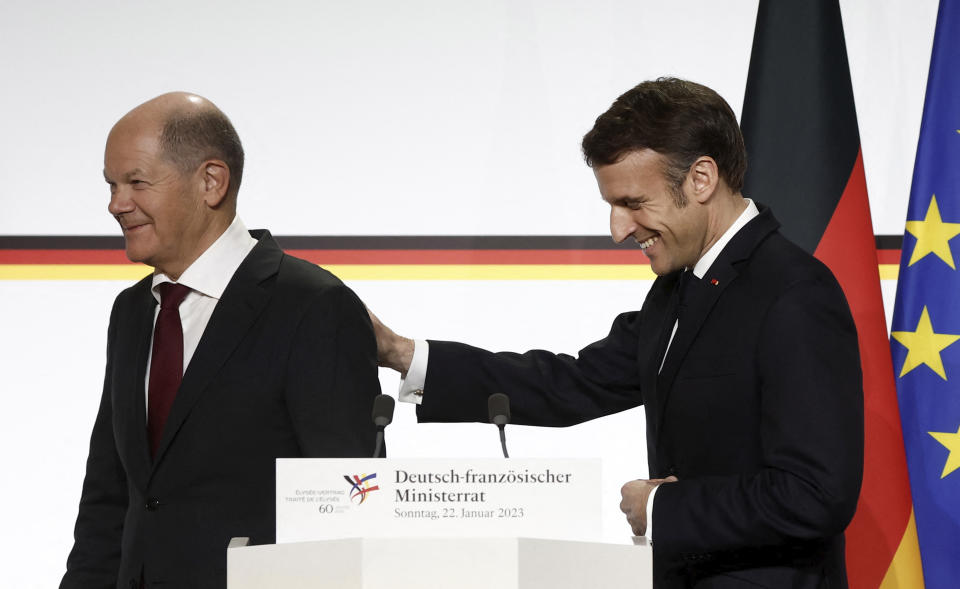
(933, 235)
(952, 442)
(924, 346)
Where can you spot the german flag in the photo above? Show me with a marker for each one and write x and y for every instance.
(803, 149)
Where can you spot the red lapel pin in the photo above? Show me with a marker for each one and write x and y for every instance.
(714, 281)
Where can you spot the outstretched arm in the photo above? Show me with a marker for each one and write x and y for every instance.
(393, 351)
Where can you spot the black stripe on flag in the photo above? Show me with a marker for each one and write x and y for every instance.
(799, 121)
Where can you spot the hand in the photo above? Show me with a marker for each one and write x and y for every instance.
(634, 504)
(393, 351)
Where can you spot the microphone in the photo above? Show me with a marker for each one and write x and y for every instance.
(498, 407)
(382, 416)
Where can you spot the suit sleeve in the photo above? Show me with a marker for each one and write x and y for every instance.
(545, 389)
(333, 378)
(94, 560)
(811, 415)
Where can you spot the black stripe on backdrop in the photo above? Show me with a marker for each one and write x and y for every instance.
(375, 242)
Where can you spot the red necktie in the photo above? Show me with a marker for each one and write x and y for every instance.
(166, 364)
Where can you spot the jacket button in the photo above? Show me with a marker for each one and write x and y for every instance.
(152, 504)
(672, 471)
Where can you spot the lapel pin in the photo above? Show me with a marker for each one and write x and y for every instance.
(714, 281)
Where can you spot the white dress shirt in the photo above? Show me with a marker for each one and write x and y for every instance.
(411, 388)
(207, 278)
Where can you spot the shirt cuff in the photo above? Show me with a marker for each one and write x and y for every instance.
(649, 533)
(411, 388)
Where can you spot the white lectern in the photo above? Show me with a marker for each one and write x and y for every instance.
(424, 563)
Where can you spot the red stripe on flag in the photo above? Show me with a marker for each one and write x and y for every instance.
(849, 249)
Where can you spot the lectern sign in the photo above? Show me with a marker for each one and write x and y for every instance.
(328, 498)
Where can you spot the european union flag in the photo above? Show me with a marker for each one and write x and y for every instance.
(926, 319)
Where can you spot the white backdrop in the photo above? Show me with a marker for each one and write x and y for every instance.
(375, 118)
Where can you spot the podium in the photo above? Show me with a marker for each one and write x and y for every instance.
(437, 523)
(425, 563)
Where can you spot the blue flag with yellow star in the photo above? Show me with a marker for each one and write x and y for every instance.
(925, 338)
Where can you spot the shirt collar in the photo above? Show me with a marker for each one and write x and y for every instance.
(707, 260)
(211, 272)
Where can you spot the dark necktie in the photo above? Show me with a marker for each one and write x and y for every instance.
(684, 287)
(166, 363)
(675, 312)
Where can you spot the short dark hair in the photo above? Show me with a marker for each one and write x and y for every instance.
(190, 137)
(678, 119)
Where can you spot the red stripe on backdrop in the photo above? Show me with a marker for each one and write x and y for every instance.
(848, 248)
(320, 256)
(888, 257)
(471, 256)
(61, 256)
(599, 257)
(84, 256)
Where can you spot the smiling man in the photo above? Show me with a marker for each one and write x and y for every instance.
(744, 356)
(229, 355)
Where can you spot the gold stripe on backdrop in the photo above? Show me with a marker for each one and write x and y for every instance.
(386, 272)
(129, 272)
(889, 271)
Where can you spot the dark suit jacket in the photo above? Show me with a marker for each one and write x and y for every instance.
(285, 368)
(757, 410)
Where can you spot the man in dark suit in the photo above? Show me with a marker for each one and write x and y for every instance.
(249, 356)
(744, 356)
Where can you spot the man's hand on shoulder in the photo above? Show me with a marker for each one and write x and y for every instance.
(393, 351)
(634, 504)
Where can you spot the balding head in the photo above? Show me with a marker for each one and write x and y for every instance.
(173, 165)
(191, 130)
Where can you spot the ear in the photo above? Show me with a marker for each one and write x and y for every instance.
(215, 181)
(703, 179)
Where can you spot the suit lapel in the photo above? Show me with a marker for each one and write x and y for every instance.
(132, 349)
(660, 308)
(702, 298)
(242, 302)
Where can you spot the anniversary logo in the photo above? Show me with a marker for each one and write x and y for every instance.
(360, 486)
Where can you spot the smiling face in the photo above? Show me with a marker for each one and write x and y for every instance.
(159, 208)
(643, 206)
